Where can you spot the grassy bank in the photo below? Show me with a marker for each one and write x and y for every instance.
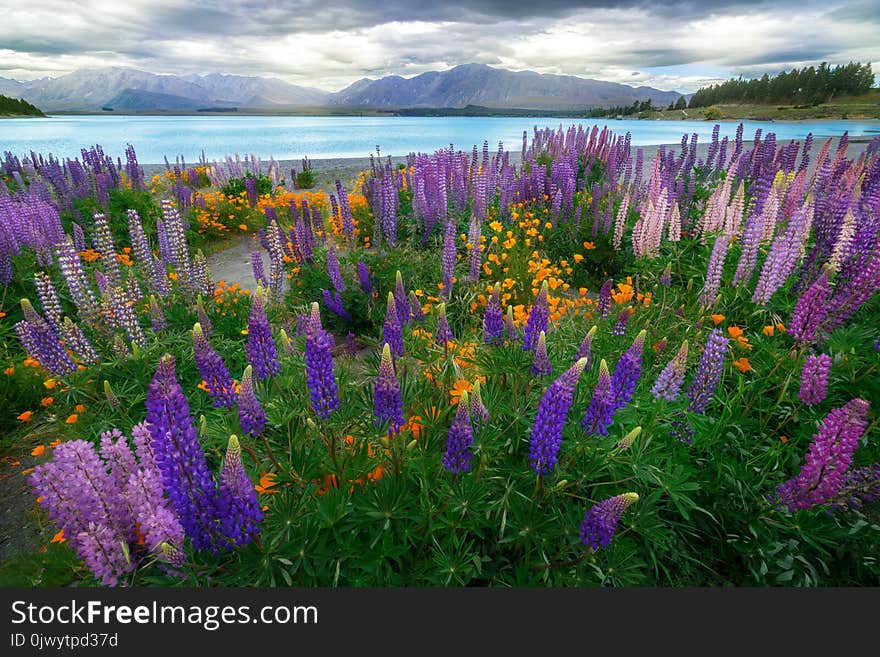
(866, 106)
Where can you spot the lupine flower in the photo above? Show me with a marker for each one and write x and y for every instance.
(251, 415)
(418, 315)
(511, 334)
(604, 302)
(627, 372)
(49, 300)
(620, 325)
(333, 269)
(714, 270)
(810, 311)
(213, 371)
(541, 362)
(238, 507)
(260, 347)
(824, 471)
(479, 412)
(112, 399)
(387, 400)
(179, 457)
(669, 382)
(493, 321)
(553, 408)
(461, 436)
(708, 372)
(401, 300)
(448, 259)
(364, 278)
(666, 276)
(202, 317)
(444, 333)
(258, 269)
(586, 347)
(334, 304)
(814, 379)
(42, 343)
(600, 412)
(600, 522)
(627, 441)
(320, 378)
(861, 487)
(351, 344)
(537, 321)
(76, 340)
(391, 331)
(157, 317)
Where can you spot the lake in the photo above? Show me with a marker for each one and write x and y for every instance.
(292, 137)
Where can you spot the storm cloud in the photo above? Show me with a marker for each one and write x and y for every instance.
(669, 44)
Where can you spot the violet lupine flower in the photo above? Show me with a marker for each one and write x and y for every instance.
(387, 400)
(125, 317)
(604, 302)
(448, 259)
(320, 378)
(157, 317)
(537, 321)
(260, 347)
(75, 277)
(333, 269)
(251, 415)
(627, 372)
(258, 269)
(810, 311)
(213, 371)
(861, 487)
(493, 320)
(334, 303)
(814, 379)
(238, 507)
(708, 372)
(824, 471)
(541, 362)
(179, 457)
(476, 251)
(49, 301)
(714, 270)
(391, 331)
(418, 315)
(460, 438)
(619, 329)
(553, 408)
(42, 344)
(877, 344)
(444, 333)
(401, 300)
(666, 277)
(479, 412)
(600, 412)
(76, 341)
(586, 347)
(668, 384)
(511, 334)
(351, 344)
(600, 522)
(364, 278)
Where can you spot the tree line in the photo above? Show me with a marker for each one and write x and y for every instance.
(809, 86)
(18, 106)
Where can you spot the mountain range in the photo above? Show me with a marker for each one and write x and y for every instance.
(467, 84)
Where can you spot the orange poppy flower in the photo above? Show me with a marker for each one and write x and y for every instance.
(38, 450)
(717, 319)
(768, 331)
(47, 401)
(26, 416)
(589, 246)
(58, 538)
(72, 418)
(734, 331)
(742, 364)
(9, 371)
(460, 386)
(79, 408)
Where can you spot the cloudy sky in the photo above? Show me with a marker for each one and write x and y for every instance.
(669, 44)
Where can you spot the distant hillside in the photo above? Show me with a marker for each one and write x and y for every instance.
(17, 107)
(136, 99)
(485, 86)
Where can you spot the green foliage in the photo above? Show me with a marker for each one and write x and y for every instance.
(18, 107)
(235, 186)
(306, 179)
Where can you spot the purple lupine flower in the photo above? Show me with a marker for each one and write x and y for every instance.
(444, 333)
(258, 269)
(75, 276)
(604, 302)
(237, 506)
(125, 317)
(708, 372)
(334, 303)
(320, 378)
(476, 251)
(157, 317)
(202, 317)
(600, 522)
(511, 334)
(478, 410)
(620, 325)
(401, 300)
(364, 277)
(537, 321)
(541, 362)
(418, 315)
(666, 277)
(333, 268)
(49, 301)
(461, 436)
(553, 408)
(714, 270)
(877, 344)
(391, 331)
(250, 186)
(824, 471)
(260, 347)
(351, 344)
(387, 400)
(179, 457)
(42, 344)
(814, 379)
(627, 372)
(493, 320)
(861, 487)
(810, 311)
(586, 347)
(668, 384)
(213, 371)
(76, 341)
(600, 412)
(448, 259)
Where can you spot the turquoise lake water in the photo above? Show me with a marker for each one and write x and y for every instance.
(292, 137)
